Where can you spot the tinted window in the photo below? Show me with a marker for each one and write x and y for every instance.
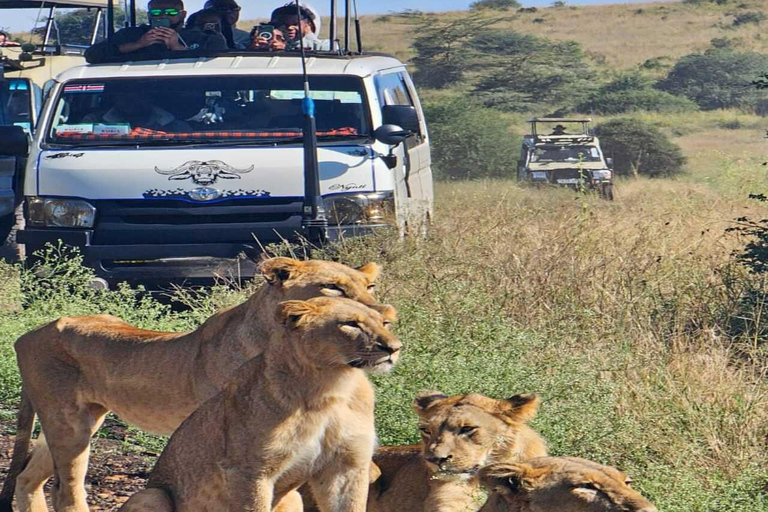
(392, 90)
(202, 109)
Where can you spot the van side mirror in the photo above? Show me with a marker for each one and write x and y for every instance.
(391, 135)
(401, 115)
(609, 162)
(13, 141)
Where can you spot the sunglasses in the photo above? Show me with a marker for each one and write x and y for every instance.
(167, 12)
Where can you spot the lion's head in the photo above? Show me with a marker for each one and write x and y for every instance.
(339, 332)
(559, 484)
(302, 280)
(462, 433)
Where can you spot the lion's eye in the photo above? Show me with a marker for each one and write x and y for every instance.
(465, 431)
(332, 290)
(587, 485)
(424, 431)
(628, 482)
(371, 288)
(351, 324)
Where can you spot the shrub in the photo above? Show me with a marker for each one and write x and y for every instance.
(639, 148)
(629, 92)
(718, 78)
(745, 18)
(470, 141)
(495, 5)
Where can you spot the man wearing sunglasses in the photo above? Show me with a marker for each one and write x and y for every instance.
(230, 14)
(166, 19)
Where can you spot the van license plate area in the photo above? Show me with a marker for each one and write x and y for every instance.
(569, 181)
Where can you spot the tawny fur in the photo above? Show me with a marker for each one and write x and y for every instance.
(559, 484)
(300, 412)
(440, 474)
(76, 370)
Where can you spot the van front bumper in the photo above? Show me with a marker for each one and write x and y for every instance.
(162, 265)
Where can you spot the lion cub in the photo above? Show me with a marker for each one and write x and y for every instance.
(460, 434)
(300, 412)
(559, 484)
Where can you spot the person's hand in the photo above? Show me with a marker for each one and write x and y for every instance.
(149, 38)
(169, 37)
(277, 42)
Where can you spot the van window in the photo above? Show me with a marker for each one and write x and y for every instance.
(18, 104)
(393, 90)
(179, 110)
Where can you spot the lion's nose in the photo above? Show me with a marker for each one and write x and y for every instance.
(439, 461)
(389, 348)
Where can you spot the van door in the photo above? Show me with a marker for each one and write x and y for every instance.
(392, 89)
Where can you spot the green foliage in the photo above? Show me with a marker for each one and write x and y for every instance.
(702, 2)
(746, 18)
(76, 27)
(638, 148)
(755, 253)
(629, 92)
(470, 141)
(494, 5)
(718, 78)
(524, 72)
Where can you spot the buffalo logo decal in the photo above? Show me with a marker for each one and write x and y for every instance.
(204, 173)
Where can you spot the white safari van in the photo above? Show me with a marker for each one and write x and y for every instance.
(167, 170)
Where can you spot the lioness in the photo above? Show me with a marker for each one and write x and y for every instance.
(559, 484)
(76, 370)
(300, 412)
(460, 434)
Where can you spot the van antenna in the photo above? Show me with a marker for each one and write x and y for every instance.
(358, 31)
(313, 221)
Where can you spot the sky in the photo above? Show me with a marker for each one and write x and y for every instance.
(23, 19)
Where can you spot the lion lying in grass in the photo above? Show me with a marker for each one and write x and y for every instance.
(460, 434)
(300, 412)
(75, 370)
(559, 484)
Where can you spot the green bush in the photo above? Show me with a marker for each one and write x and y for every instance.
(470, 141)
(494, 5)
(630, 92)
(639, 148)
(718, 78)
(523, 72)
(745, 18)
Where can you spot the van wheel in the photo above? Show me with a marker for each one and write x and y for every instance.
(606, 191)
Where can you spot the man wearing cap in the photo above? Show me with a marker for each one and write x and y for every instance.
(166, 20)
(288, 27)
(230, 14)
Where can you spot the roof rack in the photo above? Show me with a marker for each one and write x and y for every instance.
(583, 121)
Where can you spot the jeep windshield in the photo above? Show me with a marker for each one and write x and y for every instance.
(570, 154)
(205, 110)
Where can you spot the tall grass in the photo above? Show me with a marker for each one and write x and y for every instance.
(629, 319)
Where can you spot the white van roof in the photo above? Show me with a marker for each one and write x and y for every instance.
(282, 64)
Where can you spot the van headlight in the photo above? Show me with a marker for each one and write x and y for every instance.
(601, 175)
(359, 209)
(60, 213)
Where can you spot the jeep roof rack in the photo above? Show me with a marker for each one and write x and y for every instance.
(583, 121)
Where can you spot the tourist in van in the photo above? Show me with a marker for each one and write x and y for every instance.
(230, 14)
(166, 19)
(287, 30)
(203, 31)
(5, 40)
(136, 110)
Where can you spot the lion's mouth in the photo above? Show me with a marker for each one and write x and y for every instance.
(443, 471)
(372, 361)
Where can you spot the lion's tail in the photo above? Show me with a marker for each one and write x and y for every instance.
(24, 427)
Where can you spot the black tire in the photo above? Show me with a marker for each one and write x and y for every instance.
(606, 191)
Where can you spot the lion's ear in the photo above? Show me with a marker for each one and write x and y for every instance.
(427, 399)
(295, 313)
(520, 407)
(371, 271)
(510, 478)
(279, 270)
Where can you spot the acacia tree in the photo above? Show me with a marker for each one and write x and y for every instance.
(494, 5)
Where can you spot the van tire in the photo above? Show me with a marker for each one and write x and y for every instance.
(606, 191)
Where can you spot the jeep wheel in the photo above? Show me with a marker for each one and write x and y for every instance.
(606, 191)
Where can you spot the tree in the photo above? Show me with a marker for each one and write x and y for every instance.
(494, 5)
(717, 78)
(527, 72)
(76, 27)
(470, 141)
(639, 148)
(629, 92)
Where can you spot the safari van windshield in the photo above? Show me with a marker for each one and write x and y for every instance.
(206, 110)
(543, 154)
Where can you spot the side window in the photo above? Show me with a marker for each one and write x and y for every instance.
(392, 90)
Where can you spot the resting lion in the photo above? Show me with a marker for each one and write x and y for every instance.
(75, 370)
(460, 434)
(559, 484)
(300, 412)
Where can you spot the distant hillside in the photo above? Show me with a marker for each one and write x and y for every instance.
(621, 35)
